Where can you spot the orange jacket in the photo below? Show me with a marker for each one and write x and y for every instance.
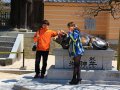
(43, 38)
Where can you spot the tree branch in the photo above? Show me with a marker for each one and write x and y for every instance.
(112, 6)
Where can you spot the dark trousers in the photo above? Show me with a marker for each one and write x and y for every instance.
(76, 69)
(44, 55)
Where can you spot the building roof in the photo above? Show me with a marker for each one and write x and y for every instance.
(81, 1)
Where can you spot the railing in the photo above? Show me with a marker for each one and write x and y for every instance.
(23, 65)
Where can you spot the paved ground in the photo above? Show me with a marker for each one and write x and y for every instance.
(28, 83)
(29, 63)
(7, 80)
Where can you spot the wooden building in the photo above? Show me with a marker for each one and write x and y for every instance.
(60, 13)
(26, 13)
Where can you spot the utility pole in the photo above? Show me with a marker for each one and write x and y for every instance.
(118, 58)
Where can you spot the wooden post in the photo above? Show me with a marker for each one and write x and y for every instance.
(23, 66)
(118, 58)
(26, 15)
(14, 14)
(30, 14)
(23, 58)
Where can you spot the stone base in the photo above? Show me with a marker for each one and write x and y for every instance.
(92, 59)
(5, 61)
(22, 30)
(92, 75)
(23, 68)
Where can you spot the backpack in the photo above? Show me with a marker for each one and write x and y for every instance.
(65, 42)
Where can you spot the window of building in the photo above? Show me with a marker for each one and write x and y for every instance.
(90, 24)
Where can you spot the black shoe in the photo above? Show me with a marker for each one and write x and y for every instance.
(71, 83)
(42, 76)
(36, 76)
(80, 80)
(77, 81)
(74, 82)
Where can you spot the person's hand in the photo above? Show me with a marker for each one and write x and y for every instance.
(34, 46)
(62, 32)
(37, 35)
(59, 32)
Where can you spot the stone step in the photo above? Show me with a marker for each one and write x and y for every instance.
(16, 71)
(92, 75)
(11, 44)
(6, 44)
(4, 55)
(5, 49)
(7, 38)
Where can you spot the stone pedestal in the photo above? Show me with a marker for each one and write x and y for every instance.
(92, 75)
(95, 65)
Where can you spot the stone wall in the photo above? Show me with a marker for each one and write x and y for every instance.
(27, 46)
(28, 42)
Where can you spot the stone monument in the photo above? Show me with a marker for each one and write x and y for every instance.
(95, 65)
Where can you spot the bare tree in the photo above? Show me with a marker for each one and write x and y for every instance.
(110, 6)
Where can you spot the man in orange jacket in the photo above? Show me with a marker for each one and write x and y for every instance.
(43, 37)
